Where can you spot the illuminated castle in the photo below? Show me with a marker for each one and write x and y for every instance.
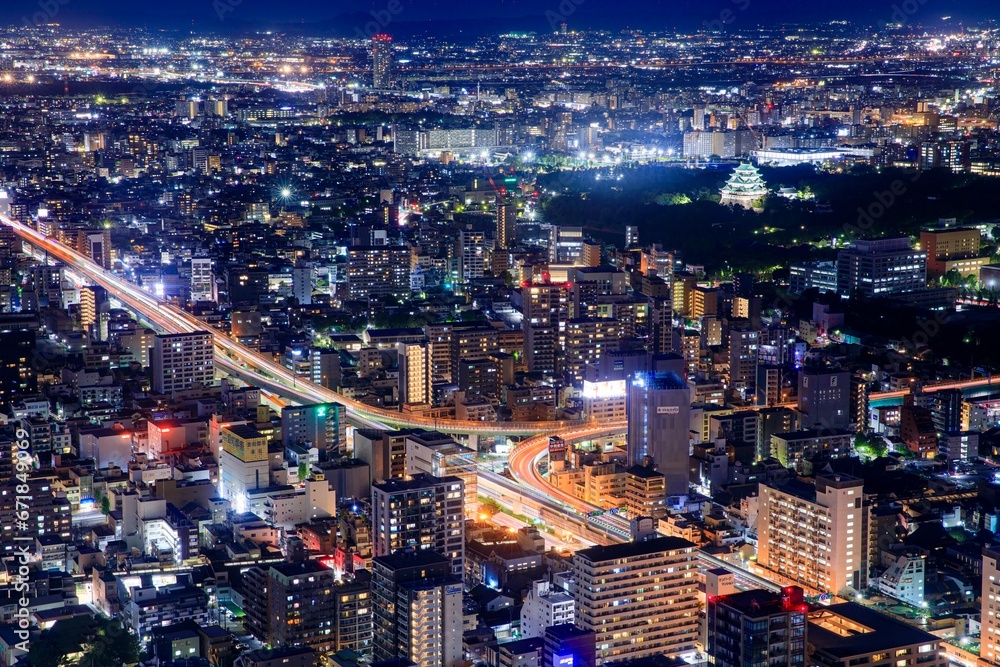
(744, 187)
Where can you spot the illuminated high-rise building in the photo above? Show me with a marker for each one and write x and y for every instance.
(828, 552)
(506, 221)
(639, 598)
(423, 512)
(381, 61)
(180, 361)
(659, 408)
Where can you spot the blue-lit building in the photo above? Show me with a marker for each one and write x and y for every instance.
(658, 406)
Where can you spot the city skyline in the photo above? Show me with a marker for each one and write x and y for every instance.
(441, 335)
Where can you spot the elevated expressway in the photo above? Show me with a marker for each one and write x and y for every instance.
(529, 491)
(241, 361)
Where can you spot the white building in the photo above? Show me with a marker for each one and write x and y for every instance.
(202, 280)
(904, 580)
(544, 607)
(815, 535)
(639, 598)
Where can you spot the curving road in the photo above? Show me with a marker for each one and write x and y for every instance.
(255, 368)
(523, 460)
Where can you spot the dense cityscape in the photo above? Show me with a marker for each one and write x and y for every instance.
(562, 348)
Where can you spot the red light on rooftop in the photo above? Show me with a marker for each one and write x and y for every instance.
(382, 37)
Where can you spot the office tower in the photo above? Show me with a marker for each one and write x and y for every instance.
(506, 226)
(659, 408)
(374, 272)
(566, 645)
(320, 425)
(414, 374)
(824, 399)
(381, 61)
(17, 376)
(289, 604)
(181, 361)
(639, 598)
(743, 341)
(424, 512)
(243, 463)
(757, 626)
(593, 288)
(990, 618)
(545, 606)
(471, 254)
(302, 284)
(829, 552)
(881, 267)
(955, 248)
(545, 308)
(325, 365)
(417, 602)
(202, 280)
(566, 245)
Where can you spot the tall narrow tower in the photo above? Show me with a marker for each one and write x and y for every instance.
(381, 61)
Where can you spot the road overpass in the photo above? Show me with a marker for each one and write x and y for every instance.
(256, 369)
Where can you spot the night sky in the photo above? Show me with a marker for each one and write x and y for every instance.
(470, 16)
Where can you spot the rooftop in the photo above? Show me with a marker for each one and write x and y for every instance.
(849, 629)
